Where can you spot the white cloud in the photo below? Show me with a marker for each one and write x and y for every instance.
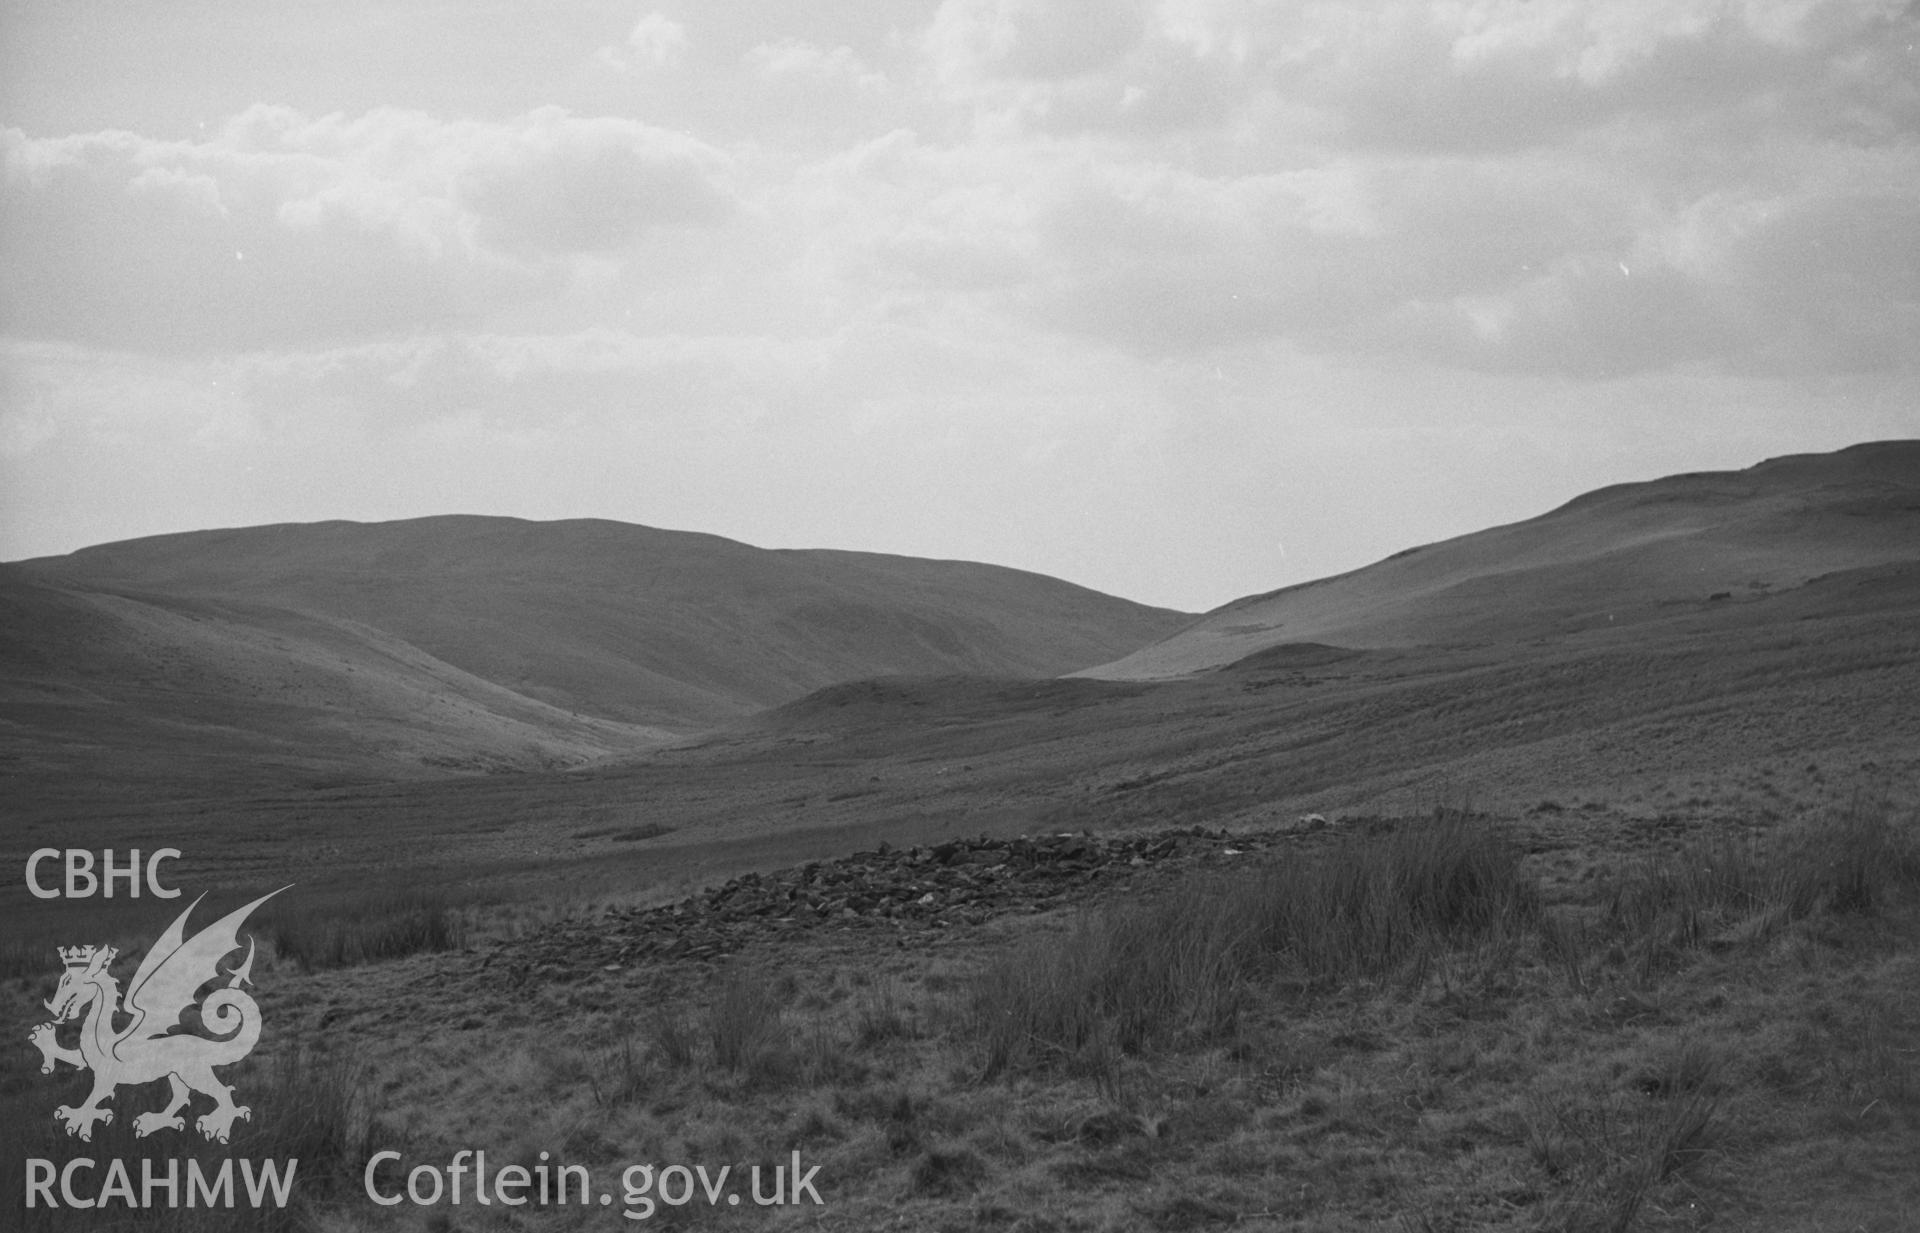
(546, 180)
(795, 59)
(655, 42)
(1505, 75)
(198, 192)
(1463, 182)
(1061, 67)
(1039, 40)
(347, 225)
(557, 183)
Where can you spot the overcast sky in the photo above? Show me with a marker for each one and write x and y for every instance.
(1179, 300)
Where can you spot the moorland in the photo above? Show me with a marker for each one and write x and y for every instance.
(1559, 876)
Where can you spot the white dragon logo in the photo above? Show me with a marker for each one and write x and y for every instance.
(152, 1044)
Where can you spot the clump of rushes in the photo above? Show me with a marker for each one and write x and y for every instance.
(1179, 968)
(387, 924)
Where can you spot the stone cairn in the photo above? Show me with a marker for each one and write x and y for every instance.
(959, 882)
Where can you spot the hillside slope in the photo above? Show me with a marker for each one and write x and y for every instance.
(1616, 557)
(91, 679)
(493, 641)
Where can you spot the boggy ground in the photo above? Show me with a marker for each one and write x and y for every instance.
(1569, 1020)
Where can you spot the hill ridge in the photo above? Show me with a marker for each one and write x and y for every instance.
(634, 632)
(1612, 557)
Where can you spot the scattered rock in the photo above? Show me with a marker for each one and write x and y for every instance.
(960, 881)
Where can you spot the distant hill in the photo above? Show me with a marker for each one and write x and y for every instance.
(1715, 542)
(494, 642)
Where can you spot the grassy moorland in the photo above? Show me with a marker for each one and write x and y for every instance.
(1423, 1023)
(1665, 979)
(1694, 717)
(1665, 974)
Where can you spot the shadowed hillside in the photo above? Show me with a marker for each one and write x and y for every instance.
(1617, 557)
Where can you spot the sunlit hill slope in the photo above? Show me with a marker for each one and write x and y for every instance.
(1618, 557)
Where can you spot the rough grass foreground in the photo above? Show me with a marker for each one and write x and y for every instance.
(1408, 1031)
(1403, 1032)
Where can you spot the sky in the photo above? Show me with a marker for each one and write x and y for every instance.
(1181, 300)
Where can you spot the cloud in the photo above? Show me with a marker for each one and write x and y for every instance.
(1503, 75)
(1462, 184)
(1536, 187)
(1534, 265)
(899, 217)
(1162, 260)
(281, 227)
(1473, 77)
(560, 184)
(1827, 283)
(547, 180)
(196, 192)
(655, 42)
(1036, 40)
(1819, 280)
(1059, 67)
(797, 60)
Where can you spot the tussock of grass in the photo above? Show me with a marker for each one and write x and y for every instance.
(744, 1032)
(673, 1038)
(622, 1077)
(1117, 981)
(1178, 969)
(744, 1025)
(1731, 890)
(883, 1014)
(1609, 1155)
(1376, 903)
(384, 925)
(318, 1109)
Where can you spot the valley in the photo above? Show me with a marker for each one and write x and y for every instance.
(498, 815)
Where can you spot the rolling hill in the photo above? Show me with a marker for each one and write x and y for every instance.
(1616, 558)
(475, 644)
(488, 643)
